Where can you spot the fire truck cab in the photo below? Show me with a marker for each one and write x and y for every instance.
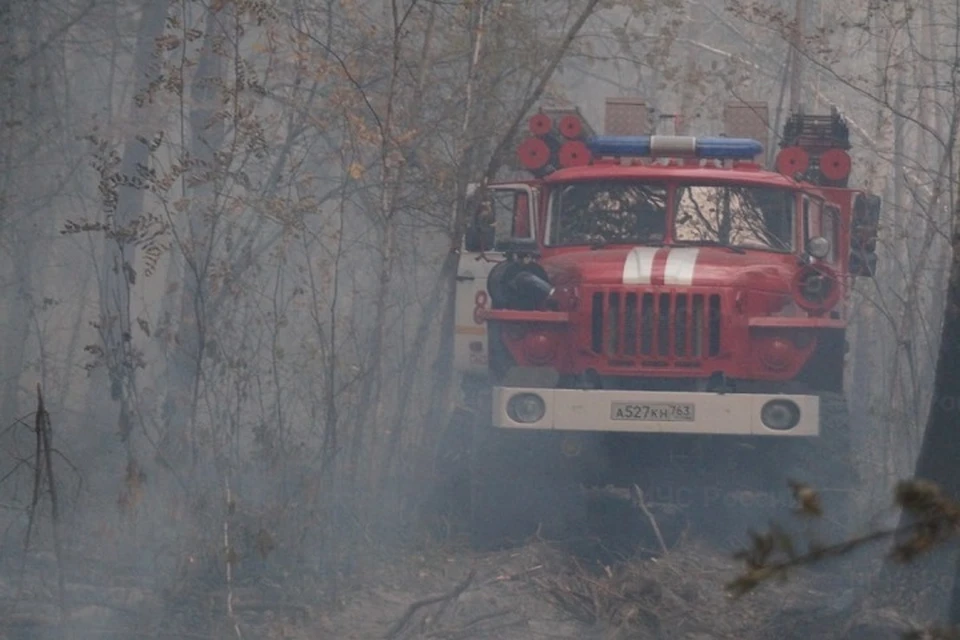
(644, 288)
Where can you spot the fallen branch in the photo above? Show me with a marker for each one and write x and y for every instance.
(291, 608)
(637, 499)
(426, 602)
(576, 604)
(509, 577)
(474, 626)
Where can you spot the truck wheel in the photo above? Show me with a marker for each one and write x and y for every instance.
(520, 486)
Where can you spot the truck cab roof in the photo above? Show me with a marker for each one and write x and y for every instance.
(740, 173)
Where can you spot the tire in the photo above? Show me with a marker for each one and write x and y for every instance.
(521, 486)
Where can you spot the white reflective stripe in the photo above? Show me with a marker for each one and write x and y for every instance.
(673, 145)
(681, 264)
(638, 267)
(714, 413)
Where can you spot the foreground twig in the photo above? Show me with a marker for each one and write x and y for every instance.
(761, 572)
(937, 520)
(425, 602)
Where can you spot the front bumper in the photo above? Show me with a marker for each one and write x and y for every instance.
(736, 414)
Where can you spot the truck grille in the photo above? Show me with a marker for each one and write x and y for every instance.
(660, 327)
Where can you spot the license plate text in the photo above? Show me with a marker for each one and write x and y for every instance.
(659, 412)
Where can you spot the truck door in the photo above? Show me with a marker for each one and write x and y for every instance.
(503, 212)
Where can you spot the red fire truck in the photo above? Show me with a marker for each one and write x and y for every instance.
(637, 296)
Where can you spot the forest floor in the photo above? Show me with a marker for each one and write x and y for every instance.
(446, 591)
(537, 591)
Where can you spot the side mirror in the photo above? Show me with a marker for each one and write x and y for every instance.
(479, 237)
(497, 216)
(863, 264)
(863, 235)
(480, 234)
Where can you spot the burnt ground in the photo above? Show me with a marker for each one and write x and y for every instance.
(618, 583)
(615, 585)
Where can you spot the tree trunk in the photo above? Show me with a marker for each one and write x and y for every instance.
(441, 400)
(940, 450)
(19, 305)
(120, 256)
(930, 574)
(25, 197)
(186, 358)
(796, 73)
(688, 111)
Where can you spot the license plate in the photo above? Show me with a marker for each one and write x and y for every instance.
(658, 412)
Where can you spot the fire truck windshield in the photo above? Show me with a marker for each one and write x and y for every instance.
(609, 212)
(747, 217)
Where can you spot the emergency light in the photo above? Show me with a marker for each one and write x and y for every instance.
(666, 146)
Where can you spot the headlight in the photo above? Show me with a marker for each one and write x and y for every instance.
(818, 247)
(816, 288)
(781, 415)
(526, 408)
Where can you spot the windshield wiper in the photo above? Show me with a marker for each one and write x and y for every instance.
(708, 243)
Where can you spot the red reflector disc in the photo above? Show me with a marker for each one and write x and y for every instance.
(835, 164)
(540, 124)
(574, 154)
(792, 160)
(533, 153)
(775, 353)
(571, 127)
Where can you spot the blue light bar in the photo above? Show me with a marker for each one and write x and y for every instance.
(674, 146)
